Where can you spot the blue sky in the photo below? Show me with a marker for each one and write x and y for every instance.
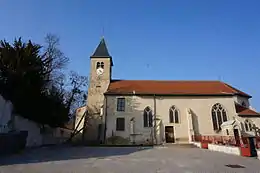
(166, 39)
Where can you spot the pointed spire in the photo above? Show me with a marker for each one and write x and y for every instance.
(101, 50)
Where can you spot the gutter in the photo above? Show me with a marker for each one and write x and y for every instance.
(184, 95)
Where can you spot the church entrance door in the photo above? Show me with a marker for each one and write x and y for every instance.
(169, 134)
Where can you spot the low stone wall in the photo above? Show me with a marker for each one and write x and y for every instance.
(34, 135)
(6, 108)
(258, 153)
(224, 149)
(198, 144)
(12, 142)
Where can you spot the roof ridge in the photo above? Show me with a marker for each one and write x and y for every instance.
(235, 89)
(166, 80)
(232, 88)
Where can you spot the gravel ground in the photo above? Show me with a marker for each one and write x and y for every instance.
(125, 160)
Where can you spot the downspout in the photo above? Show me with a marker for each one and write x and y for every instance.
(155, 119)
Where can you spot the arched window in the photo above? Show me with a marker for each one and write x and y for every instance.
(219, 115)
(102, 65)
(98, 65)
(248, 126)
(243, 104)
(173, 115)
(148, 117)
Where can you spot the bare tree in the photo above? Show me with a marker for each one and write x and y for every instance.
(54, 58)
(76, 94)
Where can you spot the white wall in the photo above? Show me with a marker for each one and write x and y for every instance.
(6, 108)
(34, 137)
(224, 149)
(55, 135)
(79, 113)
(198, 144)
(200, 107)
(240, 99)
(258, 154)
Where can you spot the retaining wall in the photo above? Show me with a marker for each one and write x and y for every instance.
(12, 142)
(198, 144)
(223, 148)
(258, 154)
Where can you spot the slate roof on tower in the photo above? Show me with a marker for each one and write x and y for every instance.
(101, 50)
(173, 88)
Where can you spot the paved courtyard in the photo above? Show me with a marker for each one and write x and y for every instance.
(125, 160)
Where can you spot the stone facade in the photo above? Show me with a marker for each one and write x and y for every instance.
(99, 79)
(195, 111)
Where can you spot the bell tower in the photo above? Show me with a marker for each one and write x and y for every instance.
(99, 78)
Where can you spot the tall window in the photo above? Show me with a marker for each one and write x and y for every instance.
(248, 126)
(120, 124)
(120, 104)
(173, 115)
(100, 65)
(148, 117)
(219, 115)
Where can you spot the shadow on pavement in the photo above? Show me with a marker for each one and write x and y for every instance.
(67, 153)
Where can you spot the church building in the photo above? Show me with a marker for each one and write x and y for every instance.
(156, 111)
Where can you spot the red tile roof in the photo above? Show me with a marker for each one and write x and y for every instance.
(151, 87)
(241, 110)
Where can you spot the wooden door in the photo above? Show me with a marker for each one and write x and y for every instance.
(169, 134)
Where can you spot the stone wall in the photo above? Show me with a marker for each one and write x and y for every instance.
(258, 153)
(200, 108)
(198, 144)
(34, 137)
(6, 108)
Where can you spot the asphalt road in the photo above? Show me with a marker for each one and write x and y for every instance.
(125, 160)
